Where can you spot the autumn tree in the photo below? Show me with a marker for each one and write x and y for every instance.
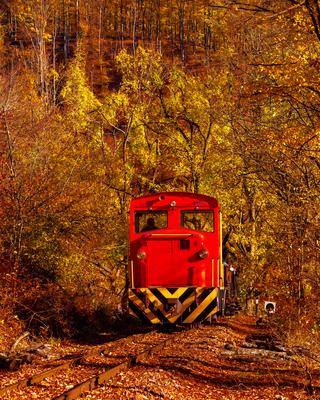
(275, 132)
(106, 100)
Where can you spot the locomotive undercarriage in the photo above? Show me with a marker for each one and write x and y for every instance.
(231, 292)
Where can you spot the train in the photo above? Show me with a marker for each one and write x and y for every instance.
(175, 270)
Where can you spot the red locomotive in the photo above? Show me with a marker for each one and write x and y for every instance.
(175, 268)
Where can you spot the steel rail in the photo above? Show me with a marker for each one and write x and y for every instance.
(35, 379)
(100, 379)
(32, 380)
(40, 377)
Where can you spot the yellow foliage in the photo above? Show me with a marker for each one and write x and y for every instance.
(77, 95)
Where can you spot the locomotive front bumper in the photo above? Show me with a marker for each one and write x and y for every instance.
(186, 305)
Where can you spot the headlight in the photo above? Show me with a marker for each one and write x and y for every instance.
(141, 255)
(203, 253)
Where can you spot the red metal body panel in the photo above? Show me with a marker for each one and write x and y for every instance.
(169, 255)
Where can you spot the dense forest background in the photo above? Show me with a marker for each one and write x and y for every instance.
(103, 100)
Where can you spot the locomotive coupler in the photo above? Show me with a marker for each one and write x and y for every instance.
(173, 306)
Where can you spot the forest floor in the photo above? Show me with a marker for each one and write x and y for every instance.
(225, 361)
(212, 362)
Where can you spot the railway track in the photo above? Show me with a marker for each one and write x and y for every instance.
(209, 362)
(90, 370)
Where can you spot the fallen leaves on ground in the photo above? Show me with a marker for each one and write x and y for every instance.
(203, 363)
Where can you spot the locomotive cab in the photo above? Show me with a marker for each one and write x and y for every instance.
(175, 269)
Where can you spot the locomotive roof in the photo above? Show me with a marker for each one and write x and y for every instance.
(184, 199)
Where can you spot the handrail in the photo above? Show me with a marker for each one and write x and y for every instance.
(170, 235)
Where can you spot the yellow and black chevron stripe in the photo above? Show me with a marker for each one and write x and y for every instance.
(152, 305)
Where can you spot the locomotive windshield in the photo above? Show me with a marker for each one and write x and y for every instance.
(198, 220)
(150, 220)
